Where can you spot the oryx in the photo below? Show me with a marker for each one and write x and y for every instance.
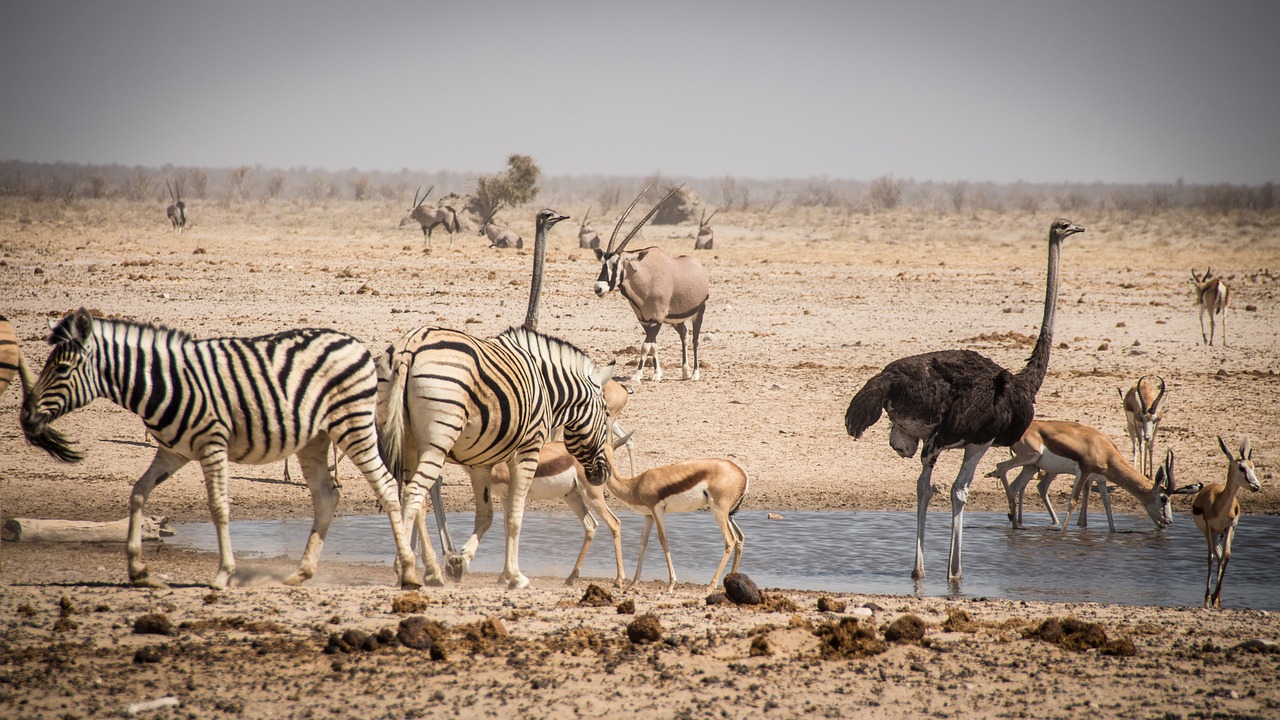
(429, 216)
(660, 288)
(588, 237)
(177, 211)
(500, 237)
(706, 239)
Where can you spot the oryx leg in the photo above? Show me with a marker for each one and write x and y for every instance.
(697, 335)
(165, 464)
(686, 373)
(647, 348)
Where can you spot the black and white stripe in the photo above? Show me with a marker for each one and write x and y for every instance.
(445, 396)
(246, 400)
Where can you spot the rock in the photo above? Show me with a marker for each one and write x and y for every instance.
(644, 629)
(153, 624)
(596, 596)
(741, 590)
(907, 628)
(826, 604)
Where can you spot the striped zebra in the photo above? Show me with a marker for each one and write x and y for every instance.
(247, 400)
(444, 396)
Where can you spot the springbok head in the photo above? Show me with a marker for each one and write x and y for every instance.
(1241, 470)
(1151, 410)
(610, 257)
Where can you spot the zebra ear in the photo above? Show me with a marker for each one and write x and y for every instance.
(603, 374)
(81, 327)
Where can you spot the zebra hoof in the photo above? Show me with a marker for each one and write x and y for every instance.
(455, 567)
(297, 578)
(146, 582)
(519, 583)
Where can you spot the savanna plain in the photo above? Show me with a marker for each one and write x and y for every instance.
(806, 304)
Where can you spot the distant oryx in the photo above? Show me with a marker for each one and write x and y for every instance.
(706, 236)
(588, 237)
(177, 211)
(660, 288)
(500, 237)
(429, 217)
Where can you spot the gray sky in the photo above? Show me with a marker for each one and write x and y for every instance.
(1128, 91)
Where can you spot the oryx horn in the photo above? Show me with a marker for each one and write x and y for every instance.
(622, 245)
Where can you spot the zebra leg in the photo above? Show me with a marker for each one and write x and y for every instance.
(456, 566)
(523, 467)
(324, 498)
(360, 444)
(165, 464)
(433, 577)
(213, 460)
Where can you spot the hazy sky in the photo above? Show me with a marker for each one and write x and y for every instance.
(1105, 90)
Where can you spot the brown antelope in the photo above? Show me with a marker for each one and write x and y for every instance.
(588, 237)
(660, 289)
(1212, 296)
(430, 217)
(12, 363)
(177, 211)
(706, 236)
(714, 483)
(500, 237)
(1059, 447)
(1142, 416)
(1216, 512)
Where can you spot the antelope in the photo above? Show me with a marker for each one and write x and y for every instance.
(588, 237)
(713, 483)
(1213, 296)
(500, 237)
(706, 236)
(429, 217)
(177, 211)
(1060, 447)
(1142, 418)
(660, 289)
(1216, 512)
(561, 477)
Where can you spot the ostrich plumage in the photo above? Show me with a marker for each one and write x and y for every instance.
(957, 399)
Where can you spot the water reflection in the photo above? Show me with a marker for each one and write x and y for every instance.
(849, 552)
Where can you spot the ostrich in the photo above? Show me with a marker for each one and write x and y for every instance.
(953, 399)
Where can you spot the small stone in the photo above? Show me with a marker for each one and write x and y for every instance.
(644, 629)
(826, 604)
(153, 624)
(741, 590)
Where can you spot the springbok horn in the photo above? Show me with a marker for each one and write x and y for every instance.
(640, 224)
(1159, 395)
(623, 219)
(1142, 400)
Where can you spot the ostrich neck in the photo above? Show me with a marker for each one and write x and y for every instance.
(1038, 363)
(535, 285)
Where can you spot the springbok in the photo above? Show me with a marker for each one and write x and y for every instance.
(1212, 296)
(177, 211)
(500, 237)
(706, 236)
(1216, 512)
(1142, 417)
(661, 290)
(588, 237)
(430, 217)
(714, 483)
(1059, 447)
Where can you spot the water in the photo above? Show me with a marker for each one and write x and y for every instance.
(846, 552)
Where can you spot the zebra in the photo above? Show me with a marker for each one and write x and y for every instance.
(247, 400)
(444, 395)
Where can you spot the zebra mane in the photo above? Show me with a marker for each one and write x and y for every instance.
(64, 331)
(562, 352)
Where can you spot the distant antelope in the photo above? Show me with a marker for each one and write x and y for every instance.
(661, 290)
(706, 236)
(430, 217)
(177, 211)
(1216, 512)
(500, 237)
(1213, 296)
(1142, 417)
(588, 237)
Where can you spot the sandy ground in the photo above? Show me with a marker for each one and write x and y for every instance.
(805, 306)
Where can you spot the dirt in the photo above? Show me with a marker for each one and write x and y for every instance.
(806, 305)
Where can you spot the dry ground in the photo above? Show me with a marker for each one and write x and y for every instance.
(805, 306)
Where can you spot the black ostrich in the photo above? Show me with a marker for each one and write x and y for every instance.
(957, 398)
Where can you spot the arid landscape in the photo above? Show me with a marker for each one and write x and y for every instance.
(806, 304)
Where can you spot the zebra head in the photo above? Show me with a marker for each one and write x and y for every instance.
(586, 434)
(67, 382)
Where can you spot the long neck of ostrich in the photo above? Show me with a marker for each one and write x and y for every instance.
(1038, 363)
(535, 285)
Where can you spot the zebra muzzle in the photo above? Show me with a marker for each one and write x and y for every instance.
(37, 430)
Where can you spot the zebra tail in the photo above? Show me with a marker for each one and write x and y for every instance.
(391, 421)
(866, 406)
